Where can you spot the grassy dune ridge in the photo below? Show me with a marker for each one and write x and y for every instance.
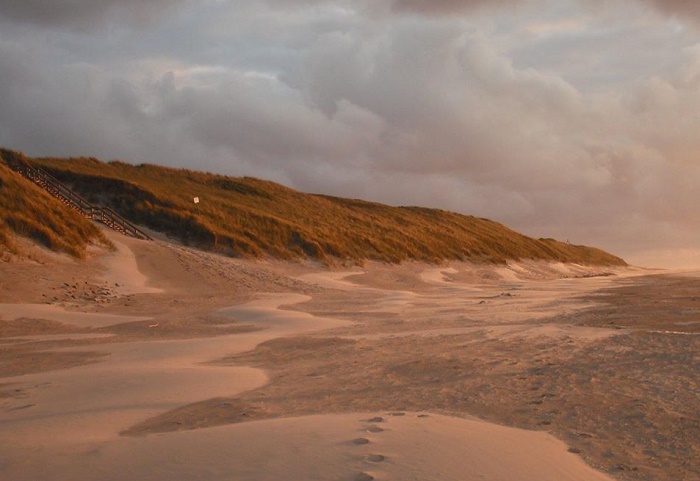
(250, 217)
(28, 211)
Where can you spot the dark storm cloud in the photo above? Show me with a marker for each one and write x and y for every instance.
(86, 14)
(679, 8)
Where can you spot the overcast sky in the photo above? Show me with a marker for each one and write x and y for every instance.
(578, 120)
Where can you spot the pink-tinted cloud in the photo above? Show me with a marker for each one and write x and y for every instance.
(678, 7)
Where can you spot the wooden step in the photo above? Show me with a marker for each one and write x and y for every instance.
(75, 201)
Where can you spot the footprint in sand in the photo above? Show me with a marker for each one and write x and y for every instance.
(374, 420)
(363, 477)
(371, 458)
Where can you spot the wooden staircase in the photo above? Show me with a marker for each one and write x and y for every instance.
(101, 214)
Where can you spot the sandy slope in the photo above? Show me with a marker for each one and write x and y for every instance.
(358, 446)
(170, 316)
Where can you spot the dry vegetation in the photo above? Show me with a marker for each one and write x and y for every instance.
(28, 211)
(250, 217)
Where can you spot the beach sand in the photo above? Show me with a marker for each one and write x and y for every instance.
(156, 361)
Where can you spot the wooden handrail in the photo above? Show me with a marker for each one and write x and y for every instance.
(102, 214)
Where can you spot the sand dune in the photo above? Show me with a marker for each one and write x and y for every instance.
(357, 446)
(65, 424)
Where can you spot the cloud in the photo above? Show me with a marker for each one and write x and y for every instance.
(423, 7)
(495, 119)
(448, 6)
(678, 7)
(87, 15)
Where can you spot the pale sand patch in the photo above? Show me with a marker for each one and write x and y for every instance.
(161, 369)
(122, 269)
(518, 300)
(439, 275)
(516, 292)
(91, 404)
(265, 312)
(329, 447)
(332, 280)
(137, 380)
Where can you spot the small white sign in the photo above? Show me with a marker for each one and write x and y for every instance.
(196, 200)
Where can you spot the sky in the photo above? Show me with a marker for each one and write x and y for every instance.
(572, 119)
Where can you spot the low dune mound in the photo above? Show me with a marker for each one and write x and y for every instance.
(248, 217)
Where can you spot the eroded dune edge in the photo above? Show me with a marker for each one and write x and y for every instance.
(160, 362)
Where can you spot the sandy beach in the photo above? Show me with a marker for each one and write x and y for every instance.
(160, 362)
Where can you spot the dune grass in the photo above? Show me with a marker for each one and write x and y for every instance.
(28, 211)
(250, 217)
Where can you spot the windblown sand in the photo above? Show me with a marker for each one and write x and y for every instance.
(158, 362)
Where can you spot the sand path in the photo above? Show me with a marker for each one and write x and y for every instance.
(68, 427)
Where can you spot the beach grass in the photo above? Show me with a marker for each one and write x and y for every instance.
(249, 217)
(28, 211)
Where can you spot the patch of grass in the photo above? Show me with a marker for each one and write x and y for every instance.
(252, 218)
(27, 210)
(7, 244)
